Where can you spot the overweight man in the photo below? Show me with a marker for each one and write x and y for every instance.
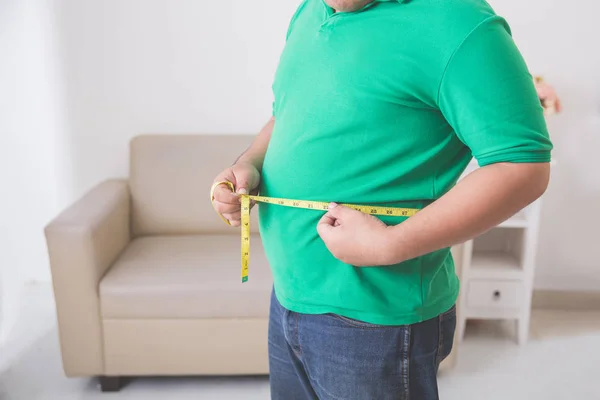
(384, 103)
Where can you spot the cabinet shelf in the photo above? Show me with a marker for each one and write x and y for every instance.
(495, 265)
(497, 270)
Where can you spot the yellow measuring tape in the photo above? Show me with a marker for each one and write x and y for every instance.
(309, 205)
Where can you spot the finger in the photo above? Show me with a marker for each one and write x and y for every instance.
(226, 208)
(324, 230)
(341, 212)
(246, 180)
(252, 202)
(543, 92)
(326, 225)
(236, 216)
(223, 194)
(327, 219)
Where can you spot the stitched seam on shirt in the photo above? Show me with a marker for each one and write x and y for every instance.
(512, 153)
(338, 310)
(456, 51)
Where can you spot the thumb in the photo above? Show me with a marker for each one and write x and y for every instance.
(246, 179)
(340, 212)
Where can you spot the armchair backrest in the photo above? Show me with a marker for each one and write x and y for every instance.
(170, 180)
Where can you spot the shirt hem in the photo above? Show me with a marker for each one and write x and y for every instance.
(426, 313)
(541, 157)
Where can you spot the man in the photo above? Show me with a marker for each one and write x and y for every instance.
(384, 103)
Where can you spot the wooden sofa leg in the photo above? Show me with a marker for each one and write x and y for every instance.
(110, 383)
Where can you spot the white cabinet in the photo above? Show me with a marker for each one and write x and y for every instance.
(497, 270)
(494, 293)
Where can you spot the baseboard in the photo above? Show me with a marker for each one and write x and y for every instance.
(566, 300)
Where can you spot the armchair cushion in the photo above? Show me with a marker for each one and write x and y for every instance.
(195, 276)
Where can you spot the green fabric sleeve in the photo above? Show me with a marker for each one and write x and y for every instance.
(488, 97)
(294, 18)
(287, 35)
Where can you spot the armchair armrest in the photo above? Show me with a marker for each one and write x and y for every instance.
(83, 243)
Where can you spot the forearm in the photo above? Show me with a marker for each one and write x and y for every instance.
(255, 154)
(482, 200)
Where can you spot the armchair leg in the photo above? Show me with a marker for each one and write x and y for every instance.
(110, 383)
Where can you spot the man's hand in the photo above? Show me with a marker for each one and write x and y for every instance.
(548, 96)
(354, 237)
(480, 201)
(245, 178)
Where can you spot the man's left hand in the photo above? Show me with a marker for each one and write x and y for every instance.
(548, 96)
(354, 237)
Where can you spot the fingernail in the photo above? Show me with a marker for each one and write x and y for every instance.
(332, 205)
(243, 191)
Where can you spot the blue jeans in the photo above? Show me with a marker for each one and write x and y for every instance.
(330, 357)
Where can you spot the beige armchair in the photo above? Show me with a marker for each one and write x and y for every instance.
(146, 276)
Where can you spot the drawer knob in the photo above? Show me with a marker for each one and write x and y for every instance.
(497, 295)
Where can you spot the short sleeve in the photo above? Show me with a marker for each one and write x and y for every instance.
(287, 36)
(488, 97)
(294, 18)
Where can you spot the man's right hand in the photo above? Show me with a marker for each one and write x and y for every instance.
(245, 178)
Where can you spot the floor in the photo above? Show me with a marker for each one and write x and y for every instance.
(560, 362)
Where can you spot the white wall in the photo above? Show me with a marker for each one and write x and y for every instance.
(560, 41)
(32, 123)
(157, 66)
(192, 66)
(140, 66)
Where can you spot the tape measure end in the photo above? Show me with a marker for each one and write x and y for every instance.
(244, 279)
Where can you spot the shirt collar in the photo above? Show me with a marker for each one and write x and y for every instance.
(371, 4)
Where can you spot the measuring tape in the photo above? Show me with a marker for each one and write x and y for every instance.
(309, 205)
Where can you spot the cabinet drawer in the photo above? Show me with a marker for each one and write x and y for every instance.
(495, 294)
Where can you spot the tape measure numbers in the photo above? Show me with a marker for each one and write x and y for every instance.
(306, 204)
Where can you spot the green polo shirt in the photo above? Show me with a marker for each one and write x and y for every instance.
(386, 106)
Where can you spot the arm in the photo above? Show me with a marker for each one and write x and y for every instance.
(479, 202)
(255, 154)
(83, 243)
(244, 174)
